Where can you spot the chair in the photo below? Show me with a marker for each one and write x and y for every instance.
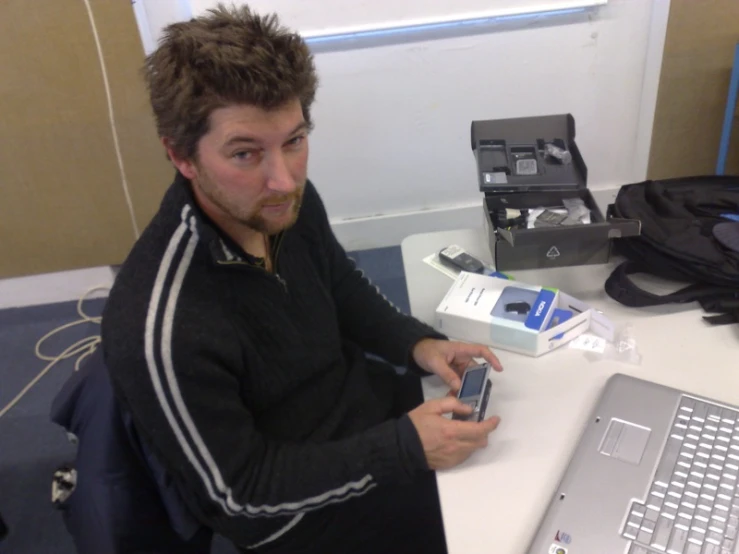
(123, 500)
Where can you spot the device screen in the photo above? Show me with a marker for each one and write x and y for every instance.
(473, 382)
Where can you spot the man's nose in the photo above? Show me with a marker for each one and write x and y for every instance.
(279, 178)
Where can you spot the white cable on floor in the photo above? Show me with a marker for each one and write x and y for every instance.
(82, 348)
(111, 116)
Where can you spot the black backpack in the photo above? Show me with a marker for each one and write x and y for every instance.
(676, 242)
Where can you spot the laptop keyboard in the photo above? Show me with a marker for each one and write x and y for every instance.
(693, 503)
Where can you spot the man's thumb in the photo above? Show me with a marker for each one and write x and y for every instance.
(448, 375)
(450, 404)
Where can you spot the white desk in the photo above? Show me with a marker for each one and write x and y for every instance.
(500, 493)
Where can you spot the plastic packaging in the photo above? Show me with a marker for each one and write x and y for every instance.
(622, 349)
(558, 153)
(536, 217)
(577, 212)
(550, 218)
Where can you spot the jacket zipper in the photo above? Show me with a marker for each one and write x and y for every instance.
(280, 280)
(274, 261)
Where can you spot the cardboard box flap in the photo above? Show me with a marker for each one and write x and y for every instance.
(512, 156)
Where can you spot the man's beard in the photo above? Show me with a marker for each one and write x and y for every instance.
(252, 219)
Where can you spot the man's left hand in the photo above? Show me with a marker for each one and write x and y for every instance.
(448, 359)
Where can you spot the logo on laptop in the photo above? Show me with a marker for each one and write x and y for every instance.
(564, 538)
(557, 549)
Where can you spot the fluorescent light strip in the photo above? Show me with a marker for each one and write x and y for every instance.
(318, 38)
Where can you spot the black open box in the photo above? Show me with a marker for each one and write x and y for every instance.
(515, 172)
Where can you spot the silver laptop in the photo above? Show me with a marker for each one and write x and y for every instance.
(656, 470)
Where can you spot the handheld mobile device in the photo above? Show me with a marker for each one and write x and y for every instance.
(455, 257)
(521, 308)
(475, 391)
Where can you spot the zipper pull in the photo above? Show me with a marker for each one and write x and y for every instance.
(282, 281)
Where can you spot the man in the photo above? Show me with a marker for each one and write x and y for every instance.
(236, 332)
(3, 529)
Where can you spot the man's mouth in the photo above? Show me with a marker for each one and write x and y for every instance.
(278, 205)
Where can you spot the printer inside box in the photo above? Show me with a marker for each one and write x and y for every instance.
(537, 208)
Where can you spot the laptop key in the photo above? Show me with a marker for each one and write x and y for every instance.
(632, 527)
(630, 532)
(662, 532)
(644, 536)
(700, 524)
(693, 488)
(728, 416)
(677, 541)
(703, 514)
(717, 526)
(683, 522)
(699, 412)
(692, 548)
(655, 500)
(651, 514)
(722, 503)
(637, 509)
(695, 537)
(670, 511)
(714, 538)
(714, 413)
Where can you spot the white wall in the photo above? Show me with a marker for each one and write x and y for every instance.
(391, 152)
(333, 18)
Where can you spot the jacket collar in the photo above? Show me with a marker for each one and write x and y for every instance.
(223, 250)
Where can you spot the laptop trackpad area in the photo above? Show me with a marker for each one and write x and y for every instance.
(624, 441)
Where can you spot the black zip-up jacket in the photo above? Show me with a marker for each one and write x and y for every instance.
(253, 388)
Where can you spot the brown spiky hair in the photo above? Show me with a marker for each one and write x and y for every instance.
(228, 56)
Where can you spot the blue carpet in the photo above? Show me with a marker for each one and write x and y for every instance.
(31, 447)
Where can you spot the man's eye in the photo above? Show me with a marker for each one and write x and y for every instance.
(295, 141)
(243, 155)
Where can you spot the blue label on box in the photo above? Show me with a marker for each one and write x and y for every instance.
(499, 275)
(540, 310)
(558, 317)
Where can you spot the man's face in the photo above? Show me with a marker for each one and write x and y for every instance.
(251, 166)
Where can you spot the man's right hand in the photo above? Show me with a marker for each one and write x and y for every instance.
(447, 442)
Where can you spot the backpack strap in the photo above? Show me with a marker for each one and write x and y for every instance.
(621, 288)
(727, 310)
(723, 319)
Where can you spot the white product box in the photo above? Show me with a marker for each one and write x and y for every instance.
(513, 316)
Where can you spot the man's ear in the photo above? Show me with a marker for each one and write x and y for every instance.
(183, 165)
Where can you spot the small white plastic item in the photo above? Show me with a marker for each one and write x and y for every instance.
(623, 348)
(556, 152)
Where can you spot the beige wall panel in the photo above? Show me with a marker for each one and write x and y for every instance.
(699, 50)
(62, 204)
